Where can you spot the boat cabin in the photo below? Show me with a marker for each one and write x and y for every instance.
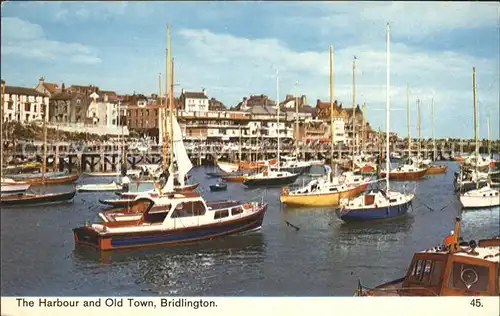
(472, 271)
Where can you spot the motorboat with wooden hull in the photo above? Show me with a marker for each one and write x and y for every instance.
(437, 169)
(103, 187)
(238, 179)
(375, 205)
(218, 187)
(186, 220)
(271, 178)
(484, 197)
(9, 186)
(36, 199)
(453, 268)
(186, 188)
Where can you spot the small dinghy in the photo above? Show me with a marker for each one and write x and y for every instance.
(36, 199)
(101, 187)
(218, 187)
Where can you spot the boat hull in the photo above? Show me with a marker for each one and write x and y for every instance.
(475, 202)
(404, 176)
(186, 188)
(437, 169)
(372, 214)
(217, 188)
(255, 182)
(35, 199)
(88, 237)
(13, 187)
(50, 180)
(324, 199)
(239, 179)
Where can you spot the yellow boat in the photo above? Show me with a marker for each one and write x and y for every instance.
(324, 192)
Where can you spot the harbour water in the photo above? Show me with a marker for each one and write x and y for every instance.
(323, 258)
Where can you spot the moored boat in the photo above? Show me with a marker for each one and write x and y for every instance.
(132, 173)
(326, 191)
(436, 169)
(218, 187)
(484, 197)
(405, 173)
(452, 269)
(270, 178)
(237, 178)
(100, 187)
(10, 186)
(186, 220)
(49, 180)
(25, 199)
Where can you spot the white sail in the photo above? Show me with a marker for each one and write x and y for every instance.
(184, 164)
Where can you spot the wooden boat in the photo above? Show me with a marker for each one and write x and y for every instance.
(36, 199)
(484, 197)
(218, 174)
(452, 269)
(218, 187)
(186, 187)
(50, 180)
(326, 191)
(22, 177)
(102, 187)
(10, 186)
(186, 220)
(238, 179)
(23, 168)
(459, 159)
(227, 167)
(405, 173)
(378, 204)
(437, 169)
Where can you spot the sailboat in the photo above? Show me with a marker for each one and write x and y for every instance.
(435, 168)
(407, 170)
(327, 190)
(485, 196)
(378, 204)
(270, 176)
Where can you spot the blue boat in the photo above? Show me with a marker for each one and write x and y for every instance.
(378, 204)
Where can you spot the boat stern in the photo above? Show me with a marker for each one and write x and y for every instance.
(87, 236)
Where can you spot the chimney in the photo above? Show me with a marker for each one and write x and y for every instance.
(41, 80)
(304, 100)
(63, 88)
(204, 91)
(182, 91)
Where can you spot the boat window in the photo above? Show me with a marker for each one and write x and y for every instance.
(188, 209)
(393, 200)
(427, 272)
(156, 215)
(236, 210)
(467, 276)
(333, 190)
(221, 214)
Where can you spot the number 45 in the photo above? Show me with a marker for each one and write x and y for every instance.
(476, 302)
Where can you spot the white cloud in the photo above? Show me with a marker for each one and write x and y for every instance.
(222, 60)
(24, 39)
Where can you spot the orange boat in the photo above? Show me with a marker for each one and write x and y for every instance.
(252, 165)
(49, 180)
(405, 173)
(437, 169)
(460, 159)
(186, 188)
(239, 178)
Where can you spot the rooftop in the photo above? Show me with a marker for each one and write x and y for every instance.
(23, 91)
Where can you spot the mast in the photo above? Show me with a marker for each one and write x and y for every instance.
(489, 135)
(161, 118)
(433, 132)
(475, 112)
(408, 119)
(44, 156)
(278, 116)
(172, 113)
(124, 161)
(387, 113)
(296, 121)
(239, 147)
(1, 127)
(354, 139)
(363, 130)
(418, 123)
(332, 132)
(167, 100)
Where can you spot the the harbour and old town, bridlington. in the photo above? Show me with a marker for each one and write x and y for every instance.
(377, 183)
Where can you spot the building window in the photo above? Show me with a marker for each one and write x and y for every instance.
(27, 117)
(27, 106)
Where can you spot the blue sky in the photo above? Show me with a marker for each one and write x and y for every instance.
(234, 48)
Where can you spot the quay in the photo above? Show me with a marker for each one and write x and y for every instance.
(107, 157)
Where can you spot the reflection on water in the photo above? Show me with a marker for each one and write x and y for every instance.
(322, 257)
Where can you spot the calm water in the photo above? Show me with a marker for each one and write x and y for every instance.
(325, 257)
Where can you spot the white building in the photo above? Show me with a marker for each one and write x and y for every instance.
(24, 105)
(103, 109)
(194, 101)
